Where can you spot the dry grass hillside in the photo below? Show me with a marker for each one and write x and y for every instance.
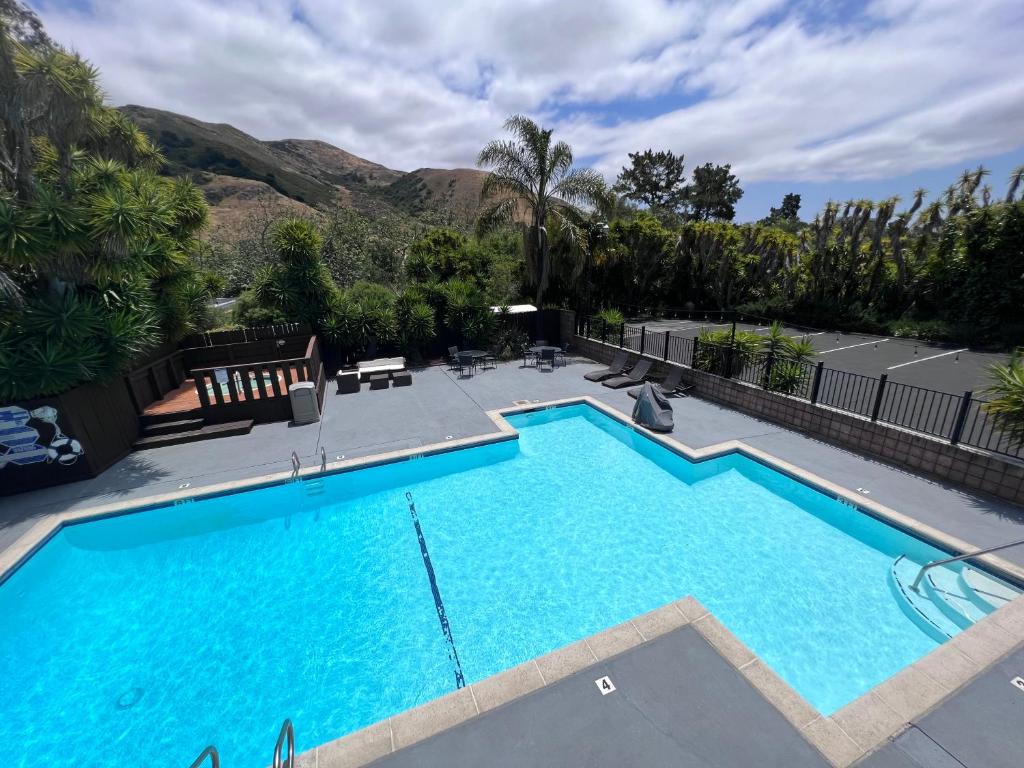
(242, 175)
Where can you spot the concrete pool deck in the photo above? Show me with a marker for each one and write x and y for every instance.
(440, 408)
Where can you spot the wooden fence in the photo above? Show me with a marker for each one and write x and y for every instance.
(258, 390)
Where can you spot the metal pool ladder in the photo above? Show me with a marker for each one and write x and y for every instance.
(296, 464)
(209, 752)
(287, 734)
(968, 556)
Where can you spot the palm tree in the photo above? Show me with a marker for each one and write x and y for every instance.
(534, 174)
(1016, 179)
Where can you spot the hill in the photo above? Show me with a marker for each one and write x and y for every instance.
(241, 174)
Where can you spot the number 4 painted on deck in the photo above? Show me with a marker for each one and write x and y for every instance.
(605, 685)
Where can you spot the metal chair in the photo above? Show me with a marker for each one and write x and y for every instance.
(546, 356)
(453, 354)
(466, 363)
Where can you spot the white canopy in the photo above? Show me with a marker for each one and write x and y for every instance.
(516, 309)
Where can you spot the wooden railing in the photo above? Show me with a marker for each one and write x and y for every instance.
(151, 381)
(257, 391)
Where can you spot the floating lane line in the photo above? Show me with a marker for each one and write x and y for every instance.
(925, 359)
(453, 654)
(852, 346)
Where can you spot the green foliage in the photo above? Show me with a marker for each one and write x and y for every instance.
(712, 351)
(534, 174)
(656, 180)
(609, 319)
(714, 193)
(1007, 393)
(95, 248)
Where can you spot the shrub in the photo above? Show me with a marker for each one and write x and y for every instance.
(1007, 391)
(610, 319)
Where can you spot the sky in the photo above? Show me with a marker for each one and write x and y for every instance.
(832, 100)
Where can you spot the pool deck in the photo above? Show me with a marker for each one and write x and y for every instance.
(441, 408)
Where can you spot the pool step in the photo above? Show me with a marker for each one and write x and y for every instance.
(314, 487)
(987, 592)
(918, 607)
(950, 597)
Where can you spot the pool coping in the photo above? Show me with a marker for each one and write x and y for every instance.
(859, 727)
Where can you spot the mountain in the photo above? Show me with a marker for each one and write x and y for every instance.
(241, 174)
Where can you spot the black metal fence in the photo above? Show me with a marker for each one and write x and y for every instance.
(957, 418)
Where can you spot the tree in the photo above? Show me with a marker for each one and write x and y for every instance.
(95, 247)
(534, 174)
(714, 193)
(656, 180)
(788, 212)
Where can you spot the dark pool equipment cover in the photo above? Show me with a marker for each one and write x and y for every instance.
(652, 409)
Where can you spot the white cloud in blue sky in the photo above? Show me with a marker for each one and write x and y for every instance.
(806, 95)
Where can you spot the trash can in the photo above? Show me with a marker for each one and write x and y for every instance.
(305, 409)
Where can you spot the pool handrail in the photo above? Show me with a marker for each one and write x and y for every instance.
(296, 464)
(286, 732)
(968, 556)
(209, 752)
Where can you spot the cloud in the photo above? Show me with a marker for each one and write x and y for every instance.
(803, 90)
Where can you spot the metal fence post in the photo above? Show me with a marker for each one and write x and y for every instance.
(622, 334)
(878, 396)
(768, 365)
(961, 418)
(728, 361)
(816, 381)
(643, 338)
(668, 335)
(693, 353)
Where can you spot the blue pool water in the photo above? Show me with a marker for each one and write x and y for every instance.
(148, 636)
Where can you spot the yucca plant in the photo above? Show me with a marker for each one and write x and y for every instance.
(1007, 393)
(94, 245)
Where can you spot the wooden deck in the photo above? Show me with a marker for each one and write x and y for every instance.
(179, 400)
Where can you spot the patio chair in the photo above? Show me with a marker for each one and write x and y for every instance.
(528, 356)
(465, 363)
(453, 358)
(617, 367)
(631, 379)
(670, 385)
(540, 343)
(490, 360)
(546, 356)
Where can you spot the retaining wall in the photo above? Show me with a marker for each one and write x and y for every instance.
(961, 466)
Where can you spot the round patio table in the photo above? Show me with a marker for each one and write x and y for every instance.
(538, 350)
(474, 353)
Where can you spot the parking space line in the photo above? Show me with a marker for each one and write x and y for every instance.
(807, 335)
(924, 359)
(840, 349)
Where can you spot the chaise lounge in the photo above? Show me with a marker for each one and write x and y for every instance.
(631, 379)
(670, 385)
(616, 368)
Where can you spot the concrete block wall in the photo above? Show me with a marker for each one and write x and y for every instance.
(965, 467)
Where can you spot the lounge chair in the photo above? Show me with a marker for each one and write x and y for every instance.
(616, 368)
(631, 379)
(669, 386)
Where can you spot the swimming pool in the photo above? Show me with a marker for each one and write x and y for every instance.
(149, 635)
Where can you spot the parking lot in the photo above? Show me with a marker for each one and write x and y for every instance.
(930, 366)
